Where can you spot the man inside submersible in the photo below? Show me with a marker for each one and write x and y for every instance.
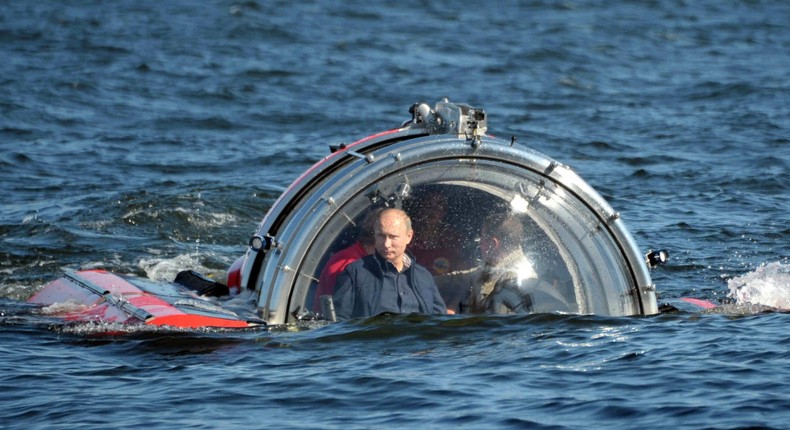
(389, 280)
(505, 282)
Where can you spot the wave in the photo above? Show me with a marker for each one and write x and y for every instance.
(166, 269)
(768, 285)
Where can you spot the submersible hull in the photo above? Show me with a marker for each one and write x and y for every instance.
(574, 241)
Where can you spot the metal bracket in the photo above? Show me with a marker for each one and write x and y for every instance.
(335, 148)
(120, 302)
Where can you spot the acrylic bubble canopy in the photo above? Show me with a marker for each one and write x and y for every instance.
(443, 159)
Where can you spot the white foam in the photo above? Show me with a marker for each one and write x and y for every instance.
(204, 219)
(115, 328)
(69, 306)
(768, 285)
(166, 269)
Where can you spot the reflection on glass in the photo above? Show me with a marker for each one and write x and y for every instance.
(494, 244)
(505, 280)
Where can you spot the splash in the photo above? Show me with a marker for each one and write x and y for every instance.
(166, 269)
(66, 307)
(768, 285)
(114, 329)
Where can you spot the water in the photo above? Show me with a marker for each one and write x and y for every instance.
(151, 137)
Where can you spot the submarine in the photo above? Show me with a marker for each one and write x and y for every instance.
(449, 174)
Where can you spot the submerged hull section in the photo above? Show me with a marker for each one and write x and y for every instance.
(100, 296)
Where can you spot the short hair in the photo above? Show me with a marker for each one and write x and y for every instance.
(401, 213)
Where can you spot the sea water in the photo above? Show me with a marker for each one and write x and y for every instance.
(151, 137)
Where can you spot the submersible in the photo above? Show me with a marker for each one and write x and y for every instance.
(573, 239)
(442, 156)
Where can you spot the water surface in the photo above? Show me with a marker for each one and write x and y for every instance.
(151, 137)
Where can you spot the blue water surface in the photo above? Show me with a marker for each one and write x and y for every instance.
(150, 137)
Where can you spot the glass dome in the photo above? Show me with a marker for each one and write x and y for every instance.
(564, 248)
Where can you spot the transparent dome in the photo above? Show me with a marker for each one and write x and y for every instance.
(491, 220)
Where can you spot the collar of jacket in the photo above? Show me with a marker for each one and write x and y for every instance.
(385, 266)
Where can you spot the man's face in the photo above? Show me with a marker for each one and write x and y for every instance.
(486, 247)
(392, 236)
(489, 247)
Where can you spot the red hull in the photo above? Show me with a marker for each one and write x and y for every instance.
(101, 296)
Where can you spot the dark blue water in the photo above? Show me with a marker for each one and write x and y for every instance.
(151, 137)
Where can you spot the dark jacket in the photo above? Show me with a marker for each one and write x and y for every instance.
(371, 286)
